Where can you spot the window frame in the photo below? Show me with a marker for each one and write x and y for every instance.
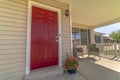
(80, 41)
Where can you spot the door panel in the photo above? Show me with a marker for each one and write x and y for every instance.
(44, 47)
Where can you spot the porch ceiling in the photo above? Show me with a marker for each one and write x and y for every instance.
(95, 12)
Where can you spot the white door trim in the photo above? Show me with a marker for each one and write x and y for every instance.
(30, 4)
(71, 28)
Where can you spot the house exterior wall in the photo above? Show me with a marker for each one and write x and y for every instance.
(82, 26)
(13, 36)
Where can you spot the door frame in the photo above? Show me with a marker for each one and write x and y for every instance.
(28, 47)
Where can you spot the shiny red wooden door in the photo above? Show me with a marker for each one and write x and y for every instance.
(44, 32)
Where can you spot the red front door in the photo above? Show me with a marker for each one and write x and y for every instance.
(44, 32)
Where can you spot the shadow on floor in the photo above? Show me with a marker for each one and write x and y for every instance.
(93, 71)
(90, 59)
(111, 57)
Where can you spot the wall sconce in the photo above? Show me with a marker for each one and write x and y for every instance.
(67, 13)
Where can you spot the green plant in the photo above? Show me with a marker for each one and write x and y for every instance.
(115, 35)
(71, 63)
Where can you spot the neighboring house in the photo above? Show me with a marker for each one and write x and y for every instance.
(99, 37)
(107, 39)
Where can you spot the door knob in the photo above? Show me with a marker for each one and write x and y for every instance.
(56, 40)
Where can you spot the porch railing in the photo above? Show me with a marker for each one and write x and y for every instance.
(109, 49)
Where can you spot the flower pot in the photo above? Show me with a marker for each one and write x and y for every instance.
(72, 71)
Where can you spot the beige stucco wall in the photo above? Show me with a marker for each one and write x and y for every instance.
(13, 35)
(83, 26)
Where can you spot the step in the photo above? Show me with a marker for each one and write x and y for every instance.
(44, 73)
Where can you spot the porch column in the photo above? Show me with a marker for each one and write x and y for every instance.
(92, 35)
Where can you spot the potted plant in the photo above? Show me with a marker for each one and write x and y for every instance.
(71, 64)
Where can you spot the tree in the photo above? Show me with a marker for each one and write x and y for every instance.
(115, 35)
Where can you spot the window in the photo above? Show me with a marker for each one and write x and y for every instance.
(97, 39)
(81, 36)
(76, 36)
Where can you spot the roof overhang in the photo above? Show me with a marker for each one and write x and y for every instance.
(95, 13)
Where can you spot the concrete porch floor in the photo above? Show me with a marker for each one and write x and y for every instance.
(67, 76)
(93, 69)
(104, 69)
(110, 64)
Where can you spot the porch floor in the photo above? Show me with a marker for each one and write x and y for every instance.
(111, 64)
(104, 69)
(67, 76)
(93, 69)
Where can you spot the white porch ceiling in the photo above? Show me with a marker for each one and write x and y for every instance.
(95, 12)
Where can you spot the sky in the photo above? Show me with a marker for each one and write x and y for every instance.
(108, 29)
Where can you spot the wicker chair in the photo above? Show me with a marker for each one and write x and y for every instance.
(92, 50)
(78, 52)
